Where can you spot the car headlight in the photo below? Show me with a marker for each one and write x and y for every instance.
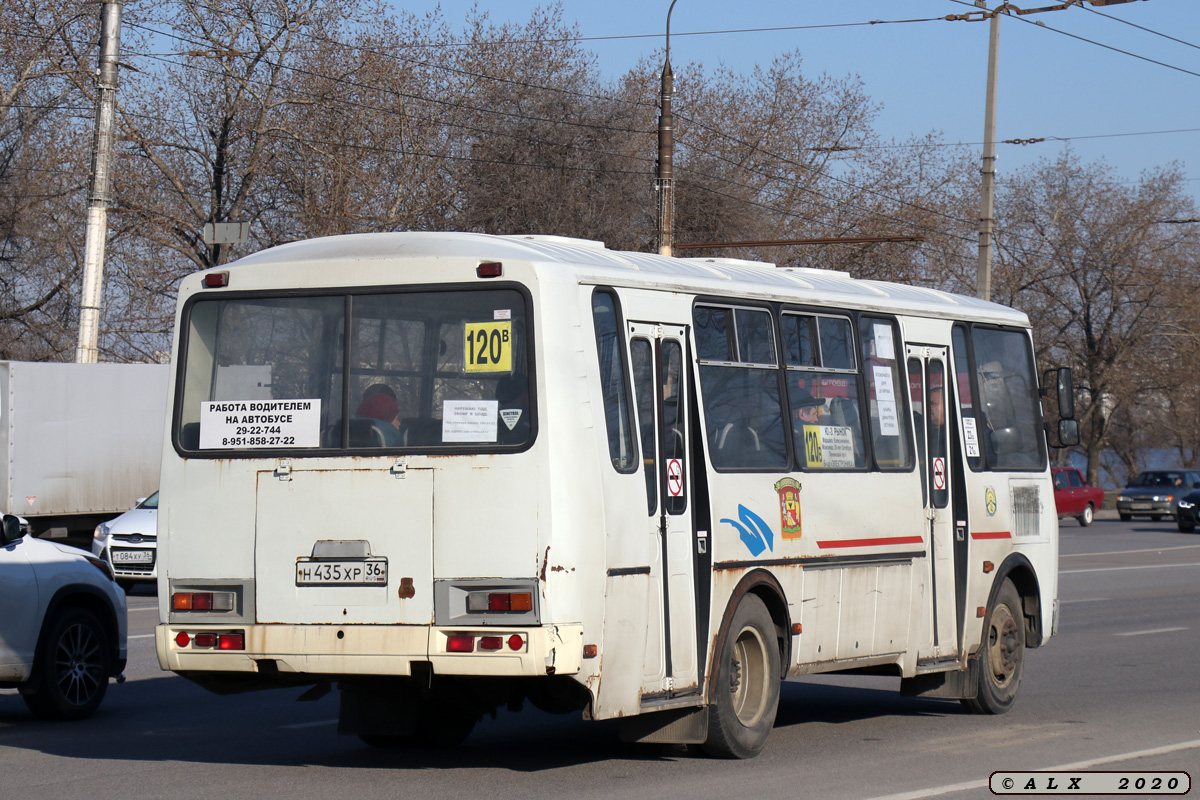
(101, 532)
(1122, 498)
(1186, 504)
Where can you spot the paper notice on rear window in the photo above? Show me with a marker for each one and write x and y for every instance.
(469, 420)
(260, 423)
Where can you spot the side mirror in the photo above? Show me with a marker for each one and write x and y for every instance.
(1066, 395)
(1068, 432)
(11, 529)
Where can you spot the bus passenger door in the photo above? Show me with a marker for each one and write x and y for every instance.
(661, 385)
(933, 419)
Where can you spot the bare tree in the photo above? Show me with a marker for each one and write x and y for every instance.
(43, 172)
(1110, 289)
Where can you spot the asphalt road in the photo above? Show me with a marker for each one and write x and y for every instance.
(1117, 689)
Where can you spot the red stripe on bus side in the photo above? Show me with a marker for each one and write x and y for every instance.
(991, 535)
(872, 542)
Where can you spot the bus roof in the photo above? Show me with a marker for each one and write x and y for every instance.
(594, 263)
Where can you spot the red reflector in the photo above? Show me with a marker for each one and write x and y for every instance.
(489, 269)
(515, 642)
(231, 641)
(491, 642)
(589, 651)
(216, 280)
(202, 601)
(460, 643)
(182, 639)
(206, 640)
(499, 602)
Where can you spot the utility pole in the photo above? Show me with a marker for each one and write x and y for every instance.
(664, 181)
(987, 222)
(100, 194)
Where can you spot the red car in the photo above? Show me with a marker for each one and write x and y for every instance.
(1073, 497)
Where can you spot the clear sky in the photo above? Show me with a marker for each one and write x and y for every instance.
(1063, 77)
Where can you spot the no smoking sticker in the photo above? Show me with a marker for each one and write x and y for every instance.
(939, 473)
(675, 477)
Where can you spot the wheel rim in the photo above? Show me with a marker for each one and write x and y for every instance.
(78, 664)
(749, 682)
(1004, 646)
(1087, 515)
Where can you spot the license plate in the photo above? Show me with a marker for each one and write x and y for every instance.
(1140, 506)
(341, 572)
(133, 556)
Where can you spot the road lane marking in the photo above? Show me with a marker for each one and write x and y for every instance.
(1084, 600)
(1121, 569)
(316, 724)
(1124, 552)
(141, 636)
(918, 794)
(142, 608)
(1156, 630)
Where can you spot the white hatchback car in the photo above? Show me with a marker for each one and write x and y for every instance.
(129, 543)
(62, 624)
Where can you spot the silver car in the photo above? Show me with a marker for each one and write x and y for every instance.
(1154, 493)
(129, 543)
(62, 624)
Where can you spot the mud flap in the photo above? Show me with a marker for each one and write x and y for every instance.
(960, 684)
(673, 726)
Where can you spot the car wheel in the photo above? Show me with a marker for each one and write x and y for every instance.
(746, 684)
(71, 668)
(1156, 517)
(1002, 659)
(1186, 527)
(1087, 516)
(1126, 517)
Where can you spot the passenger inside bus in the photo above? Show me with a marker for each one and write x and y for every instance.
(377, 420)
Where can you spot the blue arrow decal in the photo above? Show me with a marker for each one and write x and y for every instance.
(755, 532)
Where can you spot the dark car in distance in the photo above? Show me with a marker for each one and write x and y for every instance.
(1074, 498)
(1187, 511)
(1153, 493)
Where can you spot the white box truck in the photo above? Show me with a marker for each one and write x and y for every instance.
(79, 443)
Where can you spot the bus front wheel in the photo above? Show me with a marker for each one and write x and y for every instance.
(1002, 659)
(746, 686)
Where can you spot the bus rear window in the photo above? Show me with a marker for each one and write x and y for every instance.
(404, 371)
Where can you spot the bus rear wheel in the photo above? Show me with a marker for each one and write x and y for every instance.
(746, 686)
(1002, 659)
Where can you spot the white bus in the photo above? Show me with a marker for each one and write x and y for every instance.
(446, 473)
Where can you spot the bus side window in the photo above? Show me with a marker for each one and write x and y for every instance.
(885, 397)
(642, 355)
(972, 430)
(739, 383)
(610, 347)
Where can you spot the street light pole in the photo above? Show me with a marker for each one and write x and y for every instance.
(100, 195)
(664, 181)
(987, 222)
(987, 195)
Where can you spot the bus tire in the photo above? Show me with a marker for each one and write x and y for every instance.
(1087, 516)
(1002, 656)
(72, 667)
(746, 684)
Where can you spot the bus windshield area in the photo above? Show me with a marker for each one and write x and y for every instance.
(423, 370)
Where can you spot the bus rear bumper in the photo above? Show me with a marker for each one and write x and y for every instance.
(338, 650)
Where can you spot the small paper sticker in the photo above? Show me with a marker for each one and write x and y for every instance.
(511, 416)
(884, 347)
(469, 420)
